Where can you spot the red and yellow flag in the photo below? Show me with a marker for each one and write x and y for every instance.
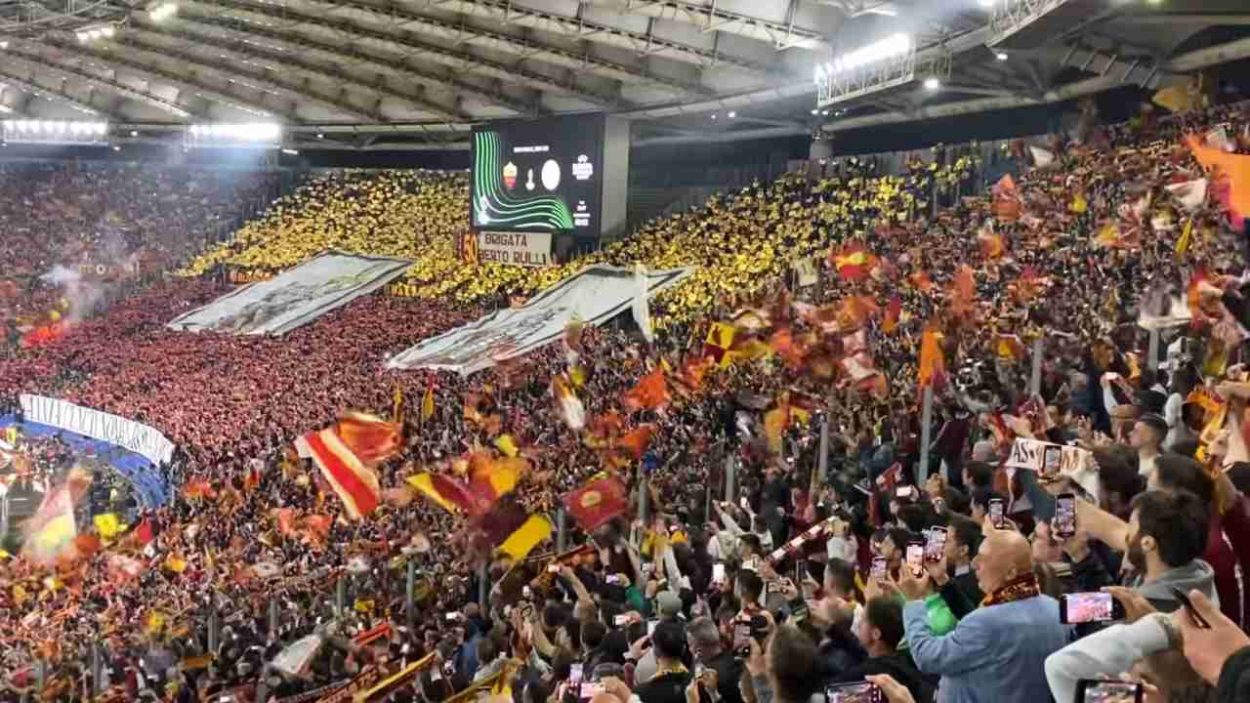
(597, 502)
(893, 312)
(854, 262)
(344, 454)
(1234, 191)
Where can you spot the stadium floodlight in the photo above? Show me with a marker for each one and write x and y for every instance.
(263, 134)
(883, 64)
(53, 131)
(90, 34)
(162, 11)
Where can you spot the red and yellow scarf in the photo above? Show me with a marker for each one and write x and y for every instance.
(1019, 588)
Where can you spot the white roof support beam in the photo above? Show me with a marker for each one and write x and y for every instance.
(228, 15)
(292, 60)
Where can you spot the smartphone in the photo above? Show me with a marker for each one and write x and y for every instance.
(939, 505)
(858, 692)
(742, 639)
(1078, 608)
(745, 504)
(1093, 691)
(526, 592)
(651, 627)
(553, 568)
(915, 557)
(1064, 524)
(1050, 460)
(620, 620)
(589, 690)
(878, 568)
(575, 673)
(997, 512)
(752, 564)
(1183, 599)
(902, 492)
(613, 580)
(935, 544)
(718, 573)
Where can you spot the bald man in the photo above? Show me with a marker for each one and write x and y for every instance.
(998, 652)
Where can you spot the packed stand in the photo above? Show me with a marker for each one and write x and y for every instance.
(972, 578)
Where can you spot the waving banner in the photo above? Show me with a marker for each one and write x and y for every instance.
(106, 427)
(295, 297)
(594, 295)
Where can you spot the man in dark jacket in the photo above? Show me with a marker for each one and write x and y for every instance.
(709, 650)
(879, 631)
(668, 685)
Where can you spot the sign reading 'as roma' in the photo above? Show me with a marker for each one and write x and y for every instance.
(516, 248)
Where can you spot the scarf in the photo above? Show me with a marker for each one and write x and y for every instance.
(1019, 588)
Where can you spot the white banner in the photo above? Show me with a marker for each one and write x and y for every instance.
(1046, 458)
(106, 427)
(516, 248)
(594, 295)
(295, 297)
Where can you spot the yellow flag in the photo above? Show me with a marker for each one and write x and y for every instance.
(521, 542)
(107, 525)
(1079, 204)
(507, 445)
(1186, 238)
(427, 404)
(397, 405)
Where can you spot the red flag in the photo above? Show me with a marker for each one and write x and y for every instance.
(650, 393)
(636, 441)
(893, 311)
(368, 437)
(597, 502)
(963, 291)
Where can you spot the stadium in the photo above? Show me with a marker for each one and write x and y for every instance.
(624, 351)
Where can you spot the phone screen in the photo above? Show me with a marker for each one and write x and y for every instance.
(575, 673)
(935, 544)
(915, 557)
(858, 692)
(1050, 460)
(718, 573)
(1088, 607)
(1109, 692)
(1065, 515)
(996, 512)
(878, 568)
(651, 627)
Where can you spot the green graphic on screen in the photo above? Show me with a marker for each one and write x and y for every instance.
(492, 206)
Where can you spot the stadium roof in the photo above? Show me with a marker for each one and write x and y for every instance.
(416, 73)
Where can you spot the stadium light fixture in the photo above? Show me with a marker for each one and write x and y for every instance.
(53, 131)
(932, 84)
(234, 134)
(894, 45)
(90, 34)
(1000, 55)
(162, 11)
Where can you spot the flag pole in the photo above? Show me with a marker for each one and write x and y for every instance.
(562, 536)
(926, 431)
(1152, 351)
(822, 461)
(1035, 373)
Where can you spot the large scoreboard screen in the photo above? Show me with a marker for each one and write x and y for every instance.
(541, 175)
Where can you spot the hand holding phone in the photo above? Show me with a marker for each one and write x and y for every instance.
(1064, 523)
(997, 513)
(935, 544)
(856, 692)
(1095, 691)
(1080, 608)
(915, 557)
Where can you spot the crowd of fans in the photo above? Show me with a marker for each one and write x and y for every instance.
(962, 580)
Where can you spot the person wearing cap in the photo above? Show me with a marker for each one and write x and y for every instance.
(668, 607)
(1147, 440)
